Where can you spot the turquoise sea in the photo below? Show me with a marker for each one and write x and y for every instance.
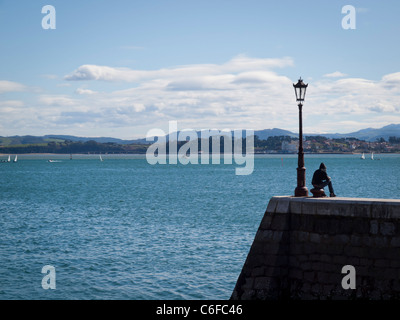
(125, 229)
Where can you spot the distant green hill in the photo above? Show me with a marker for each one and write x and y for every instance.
(22, 140)
(369, 134)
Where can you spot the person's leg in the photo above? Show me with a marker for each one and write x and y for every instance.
(329, 184)
(330, 187)
(323, 184)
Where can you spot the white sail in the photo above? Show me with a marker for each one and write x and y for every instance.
(101, 159)
(15, 159)
(363, 156)
(372, 156)
(9, 159)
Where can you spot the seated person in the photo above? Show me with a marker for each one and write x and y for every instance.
(320, 180)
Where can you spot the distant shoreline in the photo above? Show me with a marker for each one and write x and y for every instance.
(138, 154)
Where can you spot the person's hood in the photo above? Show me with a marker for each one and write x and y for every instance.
(322, 166)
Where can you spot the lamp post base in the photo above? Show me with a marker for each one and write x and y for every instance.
(301, 192)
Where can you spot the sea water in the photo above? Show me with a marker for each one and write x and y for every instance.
(124, 229)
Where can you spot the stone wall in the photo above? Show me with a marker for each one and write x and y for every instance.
(302, 244)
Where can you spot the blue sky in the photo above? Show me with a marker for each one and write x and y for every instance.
(121, 68)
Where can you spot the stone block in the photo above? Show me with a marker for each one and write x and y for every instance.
(265, 236)
(266, 221)
(257, 271)
(346, 225)
(382, 263)
(296, 249)
(301, 236)
(302, 257)
(381, 241)
(273, 271)
(249, 282)
(248, 295)
(374, 227)
(295, 207)
(263, 283)
(283, 205)
(324, 277)
(307, 223)
(278, 235)
(293, 261)
(272, 205)
(395, 242)
(380, 210)
(296, 273)
(341, 239)
(361, 226)
(314, 257)
(360, 252)
(356, 240)
(308, 207)
(325, 258)
(367, 241)
(274, 248)
(361, 210)
(323, 208)
(387, 228)
(310, 276)
(280, 222)
(334, 226)
(257, 248)
(335, 249)
(315, 237)
(322, 225)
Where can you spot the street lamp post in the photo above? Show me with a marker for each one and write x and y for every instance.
(301, 189)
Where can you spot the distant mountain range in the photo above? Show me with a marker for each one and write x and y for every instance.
(369, 134)
(20, 140)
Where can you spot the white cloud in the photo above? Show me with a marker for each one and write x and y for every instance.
(85, 91)
(10, 86)
(241, 93)
(236, 65)
(139, 107)
(392, 81)
(56, 100)
(336, 74)
(11, 103)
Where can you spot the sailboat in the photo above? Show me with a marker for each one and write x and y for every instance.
(101, 159)
(15, 159)
(363, 156)
(9, 159)
(372, 156)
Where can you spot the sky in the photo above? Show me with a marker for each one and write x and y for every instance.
(121, 68)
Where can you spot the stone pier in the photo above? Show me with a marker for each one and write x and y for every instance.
(302, 244)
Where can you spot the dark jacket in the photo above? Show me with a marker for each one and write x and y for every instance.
(320, 175)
